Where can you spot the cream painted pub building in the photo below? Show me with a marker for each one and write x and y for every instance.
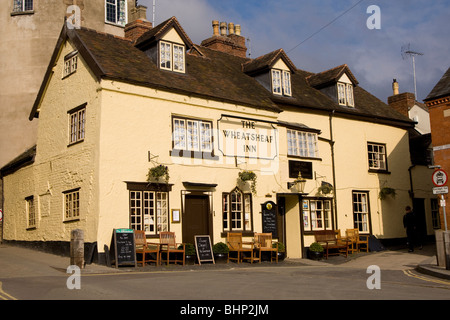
(112, 108)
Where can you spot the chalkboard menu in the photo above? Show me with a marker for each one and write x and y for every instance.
(204, 249)
(123, 247)
(269, 218)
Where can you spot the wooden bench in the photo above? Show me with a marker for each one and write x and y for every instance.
(329, 241)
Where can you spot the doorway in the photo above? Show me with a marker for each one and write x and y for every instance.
(419, 211)
(195, 217)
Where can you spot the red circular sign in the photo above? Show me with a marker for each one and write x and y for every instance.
(439, 178)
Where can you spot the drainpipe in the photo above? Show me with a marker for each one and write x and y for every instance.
(333, 166)
(411, 188)
(2, 207)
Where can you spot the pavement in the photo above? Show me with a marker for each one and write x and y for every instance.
(17, 261)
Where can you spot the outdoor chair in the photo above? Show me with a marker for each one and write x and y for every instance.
(263, 243)
(168, 245)
(352, 238)
(362, 239)
(149, 252)
(243, 250)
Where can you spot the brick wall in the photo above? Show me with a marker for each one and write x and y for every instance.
(440, 135)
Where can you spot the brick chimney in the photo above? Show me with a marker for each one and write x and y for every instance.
(139, 23)
(402, 102)
(229, 42)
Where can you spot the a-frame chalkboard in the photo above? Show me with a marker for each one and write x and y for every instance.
(203, 249)
(123, 247)
(269, 218)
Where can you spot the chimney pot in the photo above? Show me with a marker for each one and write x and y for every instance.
(223, 28)
(237, 29)
(215, 25)
(231, 28)
(395, 87)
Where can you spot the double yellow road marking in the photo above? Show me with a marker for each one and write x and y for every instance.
(410, 273)
(4, 295)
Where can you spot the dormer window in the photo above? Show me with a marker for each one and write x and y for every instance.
(172, 56)
(281, 82)
(345, 94)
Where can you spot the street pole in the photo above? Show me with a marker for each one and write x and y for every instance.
(443, 210)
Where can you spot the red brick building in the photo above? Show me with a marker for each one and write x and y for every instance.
(438, 102)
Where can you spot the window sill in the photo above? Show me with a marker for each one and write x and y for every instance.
(193, 154)
(68, 75)
(115, 24)
(75, 143)
(71, 220)
(21, 13)
(379, 171)
(304, 158)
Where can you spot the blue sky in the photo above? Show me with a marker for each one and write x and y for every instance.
(374, 56)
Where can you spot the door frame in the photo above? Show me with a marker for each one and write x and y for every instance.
(197, 193)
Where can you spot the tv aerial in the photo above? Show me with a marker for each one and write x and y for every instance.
(407, 53)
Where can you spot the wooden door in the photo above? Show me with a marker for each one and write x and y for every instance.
(196, 217)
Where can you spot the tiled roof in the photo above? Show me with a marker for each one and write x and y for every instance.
(267, 61)
(157, 32)
(215, 75)
(441, 89)
(324, 78)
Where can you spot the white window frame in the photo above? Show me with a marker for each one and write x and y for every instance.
(341, 93)
(361, 212)
(120, 8)
(287, 88)
(302, 144)
(23, 5)
(345, 94)
(281, 82)
(276, 82)
(77, 125)
(192, 134)
(179, 58)
(350, 97)
(376, 153)
(172, 57)
(237, 211)
(149, 211)
(72, 205)
(317, 214)
(70, 64)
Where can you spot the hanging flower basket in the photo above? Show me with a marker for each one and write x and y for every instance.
(245, 176)
(325, 188)
(386, 191)
(158, 172)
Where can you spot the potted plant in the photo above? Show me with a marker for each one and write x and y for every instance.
(315, 251)
(157, 173)
(189, 253)
(281, 250)
(245, 176)
(220, 251)
(386, 191)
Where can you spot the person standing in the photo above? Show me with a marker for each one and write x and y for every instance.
(409, 222)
